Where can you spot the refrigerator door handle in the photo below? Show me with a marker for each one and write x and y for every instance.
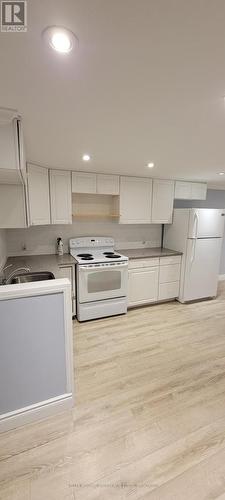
(193, 250)
(196, 225)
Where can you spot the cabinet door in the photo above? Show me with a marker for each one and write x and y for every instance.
(162, 201)
(12, 206)
(135, 200)
(198, 191)
(61, 197)
(69, 273)
(83, 182)
(38, 193)
(143, 286)
(182, 190)
(108, 184)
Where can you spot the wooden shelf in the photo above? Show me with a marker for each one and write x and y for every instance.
(91, 215)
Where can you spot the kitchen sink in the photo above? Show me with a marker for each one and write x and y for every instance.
(30, 277)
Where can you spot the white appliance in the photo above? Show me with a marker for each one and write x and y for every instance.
(102, 278)
(198, 233)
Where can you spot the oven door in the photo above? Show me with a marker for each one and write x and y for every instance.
(102, 281)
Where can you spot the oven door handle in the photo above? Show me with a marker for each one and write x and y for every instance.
(109, 267)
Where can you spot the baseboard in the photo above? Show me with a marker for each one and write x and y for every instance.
(35, 412)
(221, 277)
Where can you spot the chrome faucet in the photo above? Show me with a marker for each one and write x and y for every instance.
(19, 270)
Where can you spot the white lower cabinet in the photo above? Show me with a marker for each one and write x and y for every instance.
(142, 283)
(153, 280)
(68, 271)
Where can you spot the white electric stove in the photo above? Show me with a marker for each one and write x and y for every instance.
(102, 278)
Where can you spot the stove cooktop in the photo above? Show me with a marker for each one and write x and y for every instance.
(97, 257)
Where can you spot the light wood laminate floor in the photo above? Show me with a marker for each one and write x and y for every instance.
(149, 420)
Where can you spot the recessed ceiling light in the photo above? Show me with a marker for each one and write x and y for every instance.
(86, 157)
(221, 173)
(60, 39)
(150, 165)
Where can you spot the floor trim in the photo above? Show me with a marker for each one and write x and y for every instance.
(35, 412)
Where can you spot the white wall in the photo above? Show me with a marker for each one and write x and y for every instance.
(2, 248)
(42, 239)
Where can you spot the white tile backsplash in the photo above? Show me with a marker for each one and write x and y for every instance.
(42, 239)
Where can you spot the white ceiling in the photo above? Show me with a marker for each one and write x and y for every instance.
(147, 84)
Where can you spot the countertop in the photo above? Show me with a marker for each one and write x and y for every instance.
(40, 263)
(144, 253)
(52, 262)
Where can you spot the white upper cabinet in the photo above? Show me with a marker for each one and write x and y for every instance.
(190, 190)
(84, 182)
(61, 197)
(135, 200)
(38, 194)
(12, 157)
(198, 191)
(183, 190)
(162, 201)
(12, 206)
(108, 184)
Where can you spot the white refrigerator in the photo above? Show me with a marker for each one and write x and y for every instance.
(198, 233)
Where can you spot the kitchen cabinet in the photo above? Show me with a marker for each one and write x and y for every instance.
(142, 286)
(38, 195)
(153, 279)
(169, 277)
(135, 200)
(108, 184)
(182, 190)
(60, 197)
(190, 190)
(84, 182)
(12, 206)
(68, 271)
(162, 201)
(198, 191)
(143, 278)
(12, 154)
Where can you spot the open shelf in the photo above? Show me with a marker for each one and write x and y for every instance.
(92, 206)
(113, 216)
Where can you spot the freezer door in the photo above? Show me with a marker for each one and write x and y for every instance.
(206, 223)
(202, 268)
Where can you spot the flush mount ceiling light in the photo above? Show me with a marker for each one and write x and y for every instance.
(150, 165)
(60, 39)
(86, 157)
(221, 173)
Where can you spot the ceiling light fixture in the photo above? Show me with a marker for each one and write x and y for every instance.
(86, 157)
(221, 173)
(60, 39)
(150, 165)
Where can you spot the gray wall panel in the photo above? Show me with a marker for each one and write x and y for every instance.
(32, 350)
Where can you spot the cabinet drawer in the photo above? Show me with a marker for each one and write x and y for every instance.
(173, 259)
(169, 273)
(138, 263)
(168, 290)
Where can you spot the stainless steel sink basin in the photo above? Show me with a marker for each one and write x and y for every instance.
(29, 277)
